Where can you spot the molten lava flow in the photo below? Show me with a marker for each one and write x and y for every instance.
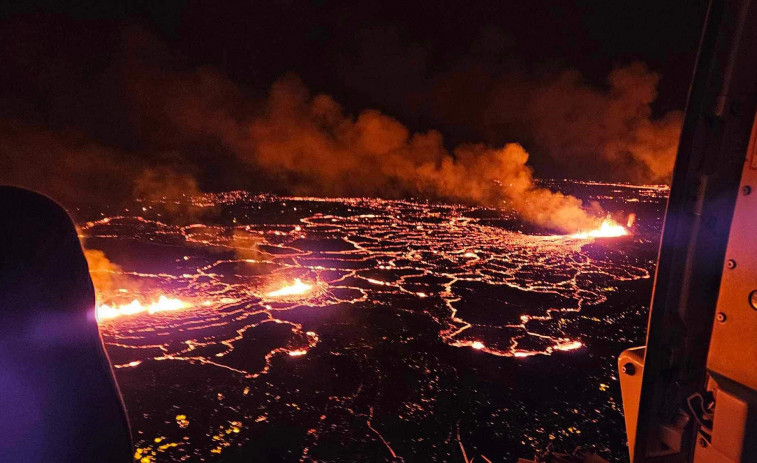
(298, 352)
(248, 314)
(297, 288)
(107, 311)
(568, 345)
(608, 229)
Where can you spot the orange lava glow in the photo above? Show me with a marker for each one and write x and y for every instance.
(297, 353)
(568, 345)
(477, 345)
(164, 303)
(295, 289)
(608, 229)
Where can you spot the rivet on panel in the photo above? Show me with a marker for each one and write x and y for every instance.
(753, 299)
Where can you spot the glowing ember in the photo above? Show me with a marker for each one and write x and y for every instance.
(297, 353)
(297, 288)
(107, 311)
(608, 229)
(522, 353)
(568, 345)
(477, 345)
(129, 365)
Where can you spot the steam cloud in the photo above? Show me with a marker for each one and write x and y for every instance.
(190, 121)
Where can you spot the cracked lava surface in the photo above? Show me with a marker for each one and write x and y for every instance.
(357, 329)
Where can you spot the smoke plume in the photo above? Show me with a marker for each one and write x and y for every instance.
(312, 142)
(106, 275)
(190, 129)
(583, 128)
(574, 121)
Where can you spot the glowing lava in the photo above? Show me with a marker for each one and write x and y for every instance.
(452, 271)
(297, 353)
(608, 229)
(295, 289)
(107, 311)
(568, 345)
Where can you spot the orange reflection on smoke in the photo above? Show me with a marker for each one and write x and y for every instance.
(164, 303)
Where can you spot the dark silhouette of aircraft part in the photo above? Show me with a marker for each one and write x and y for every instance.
(60, 402)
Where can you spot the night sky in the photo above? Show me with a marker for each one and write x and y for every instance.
(109, 79)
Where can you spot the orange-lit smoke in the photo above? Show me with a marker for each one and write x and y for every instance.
(310, 145)
(245, 244)
(588, 128)
(576, 122)
(106, 275)
(197, 120)
(169, 193)
(77, 171)
(320, 149)
(63, 164)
